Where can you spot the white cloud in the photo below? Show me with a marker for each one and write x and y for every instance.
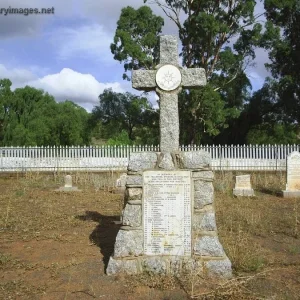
(87, 41)
(82, 89)
(16, 75)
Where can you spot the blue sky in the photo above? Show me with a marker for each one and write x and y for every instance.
(67, 53)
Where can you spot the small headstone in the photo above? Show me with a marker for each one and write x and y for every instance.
(68, 181)
(243, 186)
(121, 184)
(68, 187)
(292, 188)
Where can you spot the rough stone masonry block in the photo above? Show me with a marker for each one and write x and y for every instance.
(116, 266)
(205, 175)
(218, 268)
(134, 193)
(204, 222)
(166, 162)
(140, 161)
(144, 79)
(203, 193)
(132, 215)
(196, 159)
(208, 246)
(155, 264)
(129, 243)
(136, 180)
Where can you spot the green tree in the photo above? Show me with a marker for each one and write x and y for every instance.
(135, 41)
(219, 36)
(5, 100)
(30, 117)
(282, 39)
(117, 112)
(72, 124)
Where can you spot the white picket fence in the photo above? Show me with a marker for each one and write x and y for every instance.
(97, 158)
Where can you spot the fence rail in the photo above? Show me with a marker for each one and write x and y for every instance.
(224, 157)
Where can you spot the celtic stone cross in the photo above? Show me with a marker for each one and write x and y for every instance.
(167, 80)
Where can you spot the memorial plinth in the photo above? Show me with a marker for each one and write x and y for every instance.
(292, 176)
(168, 222)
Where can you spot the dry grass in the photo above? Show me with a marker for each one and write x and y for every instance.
(50, 242)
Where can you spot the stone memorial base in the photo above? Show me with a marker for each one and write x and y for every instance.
(191, 243)
(243, 192)
(291, 194)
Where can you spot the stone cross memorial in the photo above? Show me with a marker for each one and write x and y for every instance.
(168, 221)
(292, 176)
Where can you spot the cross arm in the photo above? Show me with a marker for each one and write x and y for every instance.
(143, 79)
(193, 78)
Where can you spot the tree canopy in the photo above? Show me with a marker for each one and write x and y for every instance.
(31, 117)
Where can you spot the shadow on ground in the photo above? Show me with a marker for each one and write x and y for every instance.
(104, 235)
(272, 192)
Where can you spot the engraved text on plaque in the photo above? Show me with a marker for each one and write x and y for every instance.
(167, 212)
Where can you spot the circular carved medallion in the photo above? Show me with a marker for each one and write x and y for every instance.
(168, 77)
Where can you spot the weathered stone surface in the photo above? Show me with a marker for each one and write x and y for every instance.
(293, 171)
(208, 246)
(141, 161)
(129, 243)
(169, 123)
(204, 193)
(218, 268)
(205, 175)
(143, 79)
(120, 182)
(243, 182)
(134, 193)
(132, 215)
(192, 78)
(155, 264)
(192, 266)
(68, 181)
(202, 199)
(203, 186)
(134, 180)
(196, 159)
(243, 192)
(135, 202)
(205, 222)
(166, 162)
(168, 50)
(116, 266)
(291, 194)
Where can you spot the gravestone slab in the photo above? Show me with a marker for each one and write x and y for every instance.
(243, 186)
(121, 184)
(68, 187)
(292, 176)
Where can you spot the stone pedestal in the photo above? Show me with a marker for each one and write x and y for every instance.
(243, 186)
(168, 222)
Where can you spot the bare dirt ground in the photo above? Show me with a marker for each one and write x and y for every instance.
(55, 245)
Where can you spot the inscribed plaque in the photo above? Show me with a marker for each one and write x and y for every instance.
(243, 182)
(167, 212)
